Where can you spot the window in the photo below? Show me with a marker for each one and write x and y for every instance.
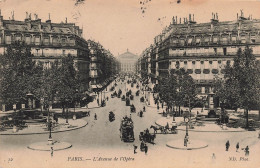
(214, 71)
(202, 62)
(197, 40)
(28, 39)
(210, 62)
(215, 40)
(243, 39)
(228, 62)
(206, 39)
(185, 62)
(18, 37)
(215, 51)
(46, 41)
(219, 61)
(37, 40)
(189, 40)
(193, 62)
(224, 40)
(63, 52)
(252, 38)
(234, 38)
(225, 51)
(8, 39)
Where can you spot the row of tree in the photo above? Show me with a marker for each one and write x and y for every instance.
(178, 89)
(239, 88)
(20, 75)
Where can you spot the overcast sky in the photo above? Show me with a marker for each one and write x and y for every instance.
(121, 24)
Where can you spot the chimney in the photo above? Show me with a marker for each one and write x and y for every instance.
(176, 19)
(173, 20)
(66, 21)
(193, 18)
(189, 17)
(214, 19)
(12, 15)
(1, 19)
(180, 20)
(49, 20)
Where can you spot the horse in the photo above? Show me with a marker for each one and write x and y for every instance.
(155, 128)
(163, 130)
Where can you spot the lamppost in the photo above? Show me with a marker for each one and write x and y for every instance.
(67, 110)
(187, 122)
(30, 99)
(47, 105)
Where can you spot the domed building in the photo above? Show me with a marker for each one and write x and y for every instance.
(128, 62)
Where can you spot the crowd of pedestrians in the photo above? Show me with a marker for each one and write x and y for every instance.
(246, 149)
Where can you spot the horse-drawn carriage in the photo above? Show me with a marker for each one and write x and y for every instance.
(142, 99)
(166, 129)
(111, 116)
(137, 86)
(137, 92)
(147, 137)
(112, 88)
(103, 103)
(113, 94)
(127, 130)
(131, 97)
(127, 102)
(132, 84)
(119, 93)
(132, 109)
(123, 98)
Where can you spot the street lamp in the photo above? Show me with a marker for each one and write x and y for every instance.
(30, 97)
(47, 105)
(187, 122)
(67, 111)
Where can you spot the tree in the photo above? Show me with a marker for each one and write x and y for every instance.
(19, 73)
(240, 86)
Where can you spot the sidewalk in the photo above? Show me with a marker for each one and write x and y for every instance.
(200, 127)
(42, 128)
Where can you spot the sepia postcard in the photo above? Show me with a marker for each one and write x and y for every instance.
(129, 83)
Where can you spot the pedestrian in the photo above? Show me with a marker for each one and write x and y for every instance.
(145, 149)
(213, 156)
(107, 98)
(237, 147)
(227, 145)
(135, 147)
(185, 141)
(95, 116)
(144, 108)
(98, 101)
(247, 151)
(51, 151)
